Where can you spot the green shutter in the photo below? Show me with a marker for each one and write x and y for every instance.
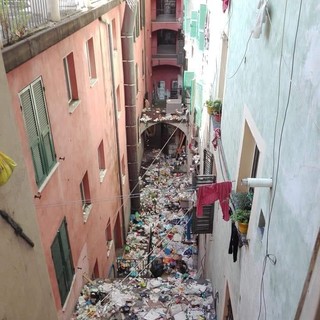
(194, 24)
(201, 40)
(62, 260)
(44, 124)
(33, 133)
(66, 254)
(202, 16)
(188, 77)
(59, 268)
(38, 129)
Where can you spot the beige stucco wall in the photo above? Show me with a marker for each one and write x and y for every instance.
(25, 288)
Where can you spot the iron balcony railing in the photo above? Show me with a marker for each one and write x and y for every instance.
(19, 18)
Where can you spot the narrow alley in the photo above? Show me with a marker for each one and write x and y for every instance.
(158, 275)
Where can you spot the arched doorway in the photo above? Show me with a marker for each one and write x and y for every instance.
(166, 137)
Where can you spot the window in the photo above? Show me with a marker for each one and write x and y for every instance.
(91, 62)
(137, 78)
(207, 162)
(249, 161)
(36, 118)
(118, 102)
(261, 224)
(142, 13)
(204, 224)
(139, 130)
(101, 161)
(223, 65)
(109, 238)
(95, 273)
(85, 197)
(123, 170)
(114, 34)
(142, 63)
(62, 260)
(71, 82)
(137, 23)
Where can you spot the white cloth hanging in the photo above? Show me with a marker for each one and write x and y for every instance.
(261, 19)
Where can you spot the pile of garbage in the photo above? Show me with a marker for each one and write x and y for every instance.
(162, 229)
(148, 299)
(159, 262)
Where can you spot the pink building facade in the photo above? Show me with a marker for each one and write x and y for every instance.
(69, 104)
(166, 46)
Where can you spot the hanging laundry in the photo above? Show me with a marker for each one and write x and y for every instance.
(225, 4)
(217, 136)
(262, 17)
(210, 193)
(234, 242)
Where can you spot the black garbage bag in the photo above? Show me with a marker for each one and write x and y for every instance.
(157, 267)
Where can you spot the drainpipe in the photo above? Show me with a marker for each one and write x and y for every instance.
(115, 111)
(130, 103)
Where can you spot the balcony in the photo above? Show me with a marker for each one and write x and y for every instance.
(22, 18)
(166, 15)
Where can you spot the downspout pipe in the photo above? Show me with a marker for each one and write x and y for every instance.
(127, 42)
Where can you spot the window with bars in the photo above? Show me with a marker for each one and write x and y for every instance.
(207, 162)
(62, 260)
(36, 119)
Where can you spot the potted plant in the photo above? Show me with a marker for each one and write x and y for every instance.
(217, 109)
(242, 202)
(210, 107)
(242, 217)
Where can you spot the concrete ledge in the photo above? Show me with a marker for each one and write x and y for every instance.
(20, 52)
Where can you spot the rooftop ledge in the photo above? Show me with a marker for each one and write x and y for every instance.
(48, 35)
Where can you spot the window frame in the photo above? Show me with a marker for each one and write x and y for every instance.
(123, 170)
(101, 161)
(65, 272)
(71, 82)
(85, 197)
(38, 129)
(92, 69)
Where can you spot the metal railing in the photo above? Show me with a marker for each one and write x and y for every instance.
(19, 18)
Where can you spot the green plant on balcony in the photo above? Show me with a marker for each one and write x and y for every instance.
(14, 17)
(240, 215)
(217, 110)
(214, 107)
(242, 203)
(209, 105)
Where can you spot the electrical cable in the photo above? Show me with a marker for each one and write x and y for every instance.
(149, 254)
(276, 162)
(128, 196)
(243, 57)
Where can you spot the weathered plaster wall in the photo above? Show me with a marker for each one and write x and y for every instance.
(25, 286)
(285, 121)
(76, 138)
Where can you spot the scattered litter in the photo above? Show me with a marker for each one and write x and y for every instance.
(157, 272)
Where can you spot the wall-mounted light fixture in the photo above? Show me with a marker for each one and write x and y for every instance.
(257, 182)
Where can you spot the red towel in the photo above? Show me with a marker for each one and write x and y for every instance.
(225, 4)
(210, 193)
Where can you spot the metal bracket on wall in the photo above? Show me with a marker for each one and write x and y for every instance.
(16, 227)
